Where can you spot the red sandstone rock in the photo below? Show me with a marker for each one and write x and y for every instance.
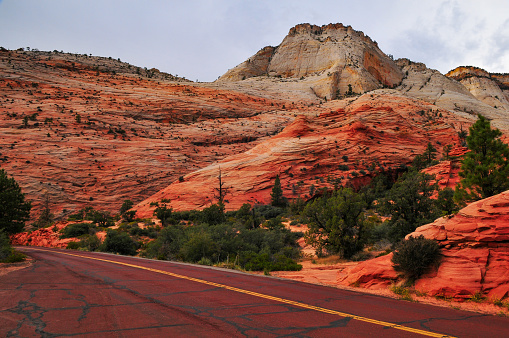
(475, 248)
(372, 274)
(45, 237)
(374, 130)
(133, 136)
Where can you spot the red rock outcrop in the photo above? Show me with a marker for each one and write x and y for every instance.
(45, 237)
(475, 249)
(343, 146)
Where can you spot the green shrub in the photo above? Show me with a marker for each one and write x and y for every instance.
(77, 230)
(15, 257)
(268, 211)
(90, 242)
(415, 256)
(119, 242)
(5, 246)
(73, 245)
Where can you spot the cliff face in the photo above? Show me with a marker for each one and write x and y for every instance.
(492, 89)
(346, 145)
(475, 249)
(329, 59)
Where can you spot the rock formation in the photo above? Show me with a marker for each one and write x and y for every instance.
(90, 131)
(330, 60)
(475, 249)
(492, 89)
(345, 146)
(45, 237)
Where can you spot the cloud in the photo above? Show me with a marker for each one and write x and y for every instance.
(202, 39)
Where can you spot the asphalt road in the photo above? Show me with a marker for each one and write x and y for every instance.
(72, 293)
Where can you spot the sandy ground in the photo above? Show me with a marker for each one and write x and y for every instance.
(5, 268)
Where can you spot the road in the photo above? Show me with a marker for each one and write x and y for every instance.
(72, 293)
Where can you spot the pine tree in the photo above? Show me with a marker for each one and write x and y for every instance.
(485, 168)
(277, 198)
(14, 210)
(430, 154)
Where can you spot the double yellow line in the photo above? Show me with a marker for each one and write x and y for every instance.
(261, 295)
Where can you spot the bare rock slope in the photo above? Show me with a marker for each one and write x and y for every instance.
(326, 60)
(90, 131)
(343, 146)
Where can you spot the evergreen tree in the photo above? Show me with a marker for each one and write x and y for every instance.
(276, 196)
(14, 210)
(485, 168)
(127, 215)
(163, 211)
(430, 154)
(426, 159)
(337, 223)
(409, 205)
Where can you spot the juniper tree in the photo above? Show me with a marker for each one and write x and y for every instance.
(14, 210)
(276, 197)
(485, 168)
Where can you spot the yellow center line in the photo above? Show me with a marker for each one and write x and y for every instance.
(261, 295)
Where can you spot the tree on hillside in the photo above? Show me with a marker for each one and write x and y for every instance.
(426, 159)
(163, 211)
(276, 196)
(485, 168)
(46, 217)
(408, 204)
(14, 210)
(221, 191)
(127, 215)
(337, 223)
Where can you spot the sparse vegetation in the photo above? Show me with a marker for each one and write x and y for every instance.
(415, 256)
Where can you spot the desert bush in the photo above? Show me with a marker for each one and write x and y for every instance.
(90, 242)
(82, 214)
(213, 214)
(77, 230)
(73, 245)
(268, 211)
(167, 244)
(415, 256)
(5, 246)
(119, 242)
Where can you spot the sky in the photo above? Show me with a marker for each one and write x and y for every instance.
(202, 39)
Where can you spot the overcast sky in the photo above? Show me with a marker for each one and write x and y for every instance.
(202, 39)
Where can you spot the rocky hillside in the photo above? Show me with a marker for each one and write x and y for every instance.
(377, 131)
(320, 63)
(92, 131)
(492, 89)
(86, 131)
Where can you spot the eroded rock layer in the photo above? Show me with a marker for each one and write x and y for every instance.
(331, 60)
(377, 131)
(92, 132)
